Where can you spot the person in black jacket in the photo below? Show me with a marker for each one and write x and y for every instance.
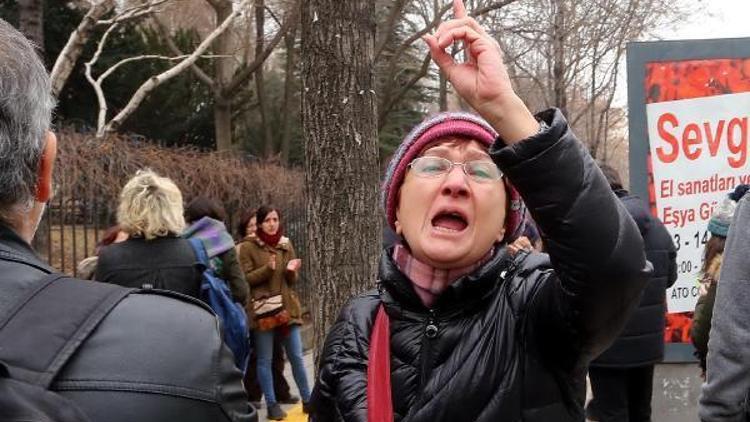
(154, 255)
(457, 330)
(154, 357)
(622, 376)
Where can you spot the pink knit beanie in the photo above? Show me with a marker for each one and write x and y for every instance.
(447, 124)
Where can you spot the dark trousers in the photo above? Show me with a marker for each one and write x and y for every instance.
(280, 386)
(621, 395)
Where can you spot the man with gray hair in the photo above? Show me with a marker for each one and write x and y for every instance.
(129, 356)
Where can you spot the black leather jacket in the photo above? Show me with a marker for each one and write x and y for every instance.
(166, 263)
(154, 358)
(508, 348)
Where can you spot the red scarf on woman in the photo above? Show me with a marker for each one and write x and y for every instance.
(270, 239)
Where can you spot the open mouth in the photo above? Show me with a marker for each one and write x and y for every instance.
(452, 221)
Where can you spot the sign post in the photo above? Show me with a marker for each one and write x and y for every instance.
(689, 112)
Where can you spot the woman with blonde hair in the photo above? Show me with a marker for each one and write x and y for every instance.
(154, 256)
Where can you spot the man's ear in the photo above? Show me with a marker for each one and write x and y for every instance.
(46, 165)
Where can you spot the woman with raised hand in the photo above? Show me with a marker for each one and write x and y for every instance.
(458, 330)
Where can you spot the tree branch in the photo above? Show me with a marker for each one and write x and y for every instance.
(243, 75)
(491, 7)
(390, 103)
(388, 30)
(157, 80)
(74, 47)
(134, 12)
(101, 99)
(199, 73)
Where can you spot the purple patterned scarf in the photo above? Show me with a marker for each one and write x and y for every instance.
(212, 233)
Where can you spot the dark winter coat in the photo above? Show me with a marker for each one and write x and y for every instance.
(506, 349)
(642, 341)
(166, 263)
(229, 269)
(154, 358)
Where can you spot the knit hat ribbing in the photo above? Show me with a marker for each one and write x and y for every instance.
(722, 216)
(442, 125)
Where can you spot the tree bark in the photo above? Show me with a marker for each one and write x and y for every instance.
(340, 129)
(31, 21)
(223, 123)
(289, 85)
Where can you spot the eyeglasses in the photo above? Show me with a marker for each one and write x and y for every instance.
(478, 170)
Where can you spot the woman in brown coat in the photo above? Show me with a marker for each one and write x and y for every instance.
(246, 229)
(271, 268)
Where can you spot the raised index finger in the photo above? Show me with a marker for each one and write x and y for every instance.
(459, 10)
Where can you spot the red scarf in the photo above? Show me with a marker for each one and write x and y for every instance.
(270, 239)
(379, 404)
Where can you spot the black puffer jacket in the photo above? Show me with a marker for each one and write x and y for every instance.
(505, 350)
(642, 341)
(154, 357)
(166, 263)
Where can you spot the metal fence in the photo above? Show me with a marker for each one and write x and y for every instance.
(72, 226)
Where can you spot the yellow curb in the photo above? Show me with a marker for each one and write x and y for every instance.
(295, 414)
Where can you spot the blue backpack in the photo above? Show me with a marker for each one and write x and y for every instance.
(216, 294)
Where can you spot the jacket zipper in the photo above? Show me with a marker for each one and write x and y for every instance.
(430, 333)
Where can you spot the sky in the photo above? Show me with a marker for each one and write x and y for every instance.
(720, 19)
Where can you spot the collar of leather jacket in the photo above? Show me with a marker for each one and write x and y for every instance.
(13, 248)
(459, 296)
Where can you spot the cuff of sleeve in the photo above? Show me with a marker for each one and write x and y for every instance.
(552, 127)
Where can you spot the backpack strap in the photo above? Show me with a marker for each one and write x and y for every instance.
(42, 330)
(200, 251)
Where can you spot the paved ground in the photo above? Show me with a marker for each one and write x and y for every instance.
(294, 413)
(676, 388)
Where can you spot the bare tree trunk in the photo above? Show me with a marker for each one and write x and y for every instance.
(341, 147)
(31, 21)
(222, 76)
(443, 92)
(558, 66)
(443, 83)
(260, 88)
(223, 123)
(286, 108)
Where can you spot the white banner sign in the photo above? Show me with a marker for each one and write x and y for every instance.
(699, 152)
